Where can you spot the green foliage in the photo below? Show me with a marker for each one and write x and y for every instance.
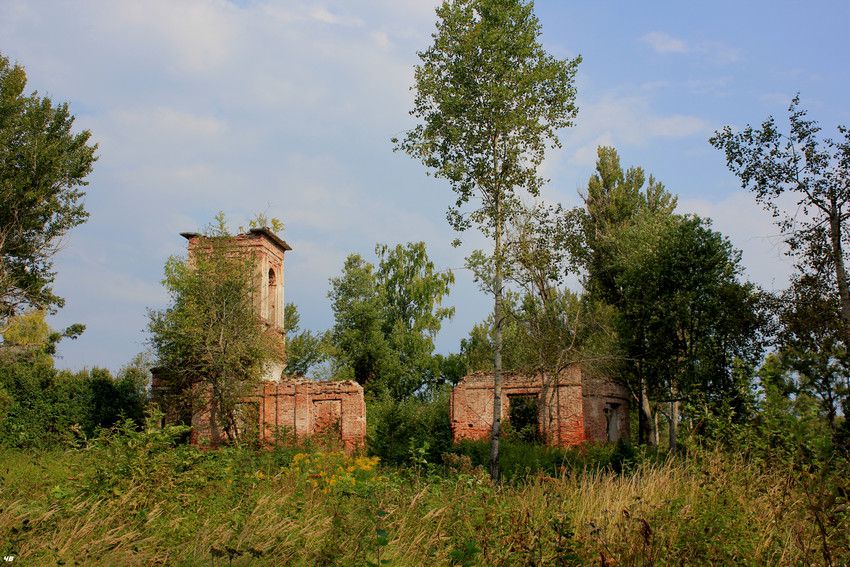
(685, 316)
(688, 328)
(262, 220)
(43, 168)
(799, 163)
(305, 349)
(489, 100)
(813, 344)
(45, 407)
(803, 165)
(135, 455)
(451, 369)
(211, 342)
(547, 335)
(614, 199)
(523, 420)
(409, 431)
(154, 502)
(29, 335)
(358, 308)
(40, 406)
(520, 459)
(386, 319)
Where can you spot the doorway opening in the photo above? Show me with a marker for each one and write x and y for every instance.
(523, 417)
(612, 419)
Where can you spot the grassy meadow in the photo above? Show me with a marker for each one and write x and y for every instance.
(133, 498)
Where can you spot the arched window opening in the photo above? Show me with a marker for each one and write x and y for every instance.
(272, 297)
(612, 419)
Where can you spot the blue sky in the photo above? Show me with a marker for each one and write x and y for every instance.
(288, 107)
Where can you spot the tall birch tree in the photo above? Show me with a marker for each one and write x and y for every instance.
(489, 101)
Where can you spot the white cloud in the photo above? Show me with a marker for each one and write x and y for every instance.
(169, 122)
(718, 53)
(622, 121)
(323, 15)
(676, 126)
(199, 34)
(713, 51)
(207, 105)
(664, 43)
(751, 230)
(381, 39)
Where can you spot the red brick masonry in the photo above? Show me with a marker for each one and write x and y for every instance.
(298, 407)
(576, 407)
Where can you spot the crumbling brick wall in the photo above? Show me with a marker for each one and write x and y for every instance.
(606, 408)
(280, 405)
(572, 408)
(267, 252)
(296, 407)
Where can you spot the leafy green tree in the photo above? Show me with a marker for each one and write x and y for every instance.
(477, 348)
(40, 406)
(386, 318)
(304, 348)
(614, 201)
(357, 335)
(489, 100)
(801, 165)
(414, 290)
(43, 168)
(549, 327)
(451, 368)
(211, 343)
(803, 179)
(29, 333)
(686, 319)
(812, 345)
(614, 198)
(562, 327)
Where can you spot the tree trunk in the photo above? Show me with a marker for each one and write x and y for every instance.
(643, 425)
(649, 420)
(497, 349)
(840, 271)
(674, 426)
(654, 433)
(558, 404)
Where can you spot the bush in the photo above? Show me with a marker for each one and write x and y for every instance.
(40, 406)
(412, 431)
(519, 459)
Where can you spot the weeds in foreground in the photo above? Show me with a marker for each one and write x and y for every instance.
(133, 498)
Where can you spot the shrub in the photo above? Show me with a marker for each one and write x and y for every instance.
(411, 431)
(40, 406)
(519, 459)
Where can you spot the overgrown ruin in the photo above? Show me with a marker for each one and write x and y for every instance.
(574, 407)
(281, 405)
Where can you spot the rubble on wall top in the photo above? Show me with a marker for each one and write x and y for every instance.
(265, 231)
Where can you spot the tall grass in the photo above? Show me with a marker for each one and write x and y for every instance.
(143, 502)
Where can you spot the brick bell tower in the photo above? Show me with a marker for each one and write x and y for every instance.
(268, 251)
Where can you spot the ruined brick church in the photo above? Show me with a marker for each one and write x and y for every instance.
(281, 404)
(569, 409)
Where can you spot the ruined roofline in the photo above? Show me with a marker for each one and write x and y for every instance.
(265, 231)
(285, 379)
(516, 374)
